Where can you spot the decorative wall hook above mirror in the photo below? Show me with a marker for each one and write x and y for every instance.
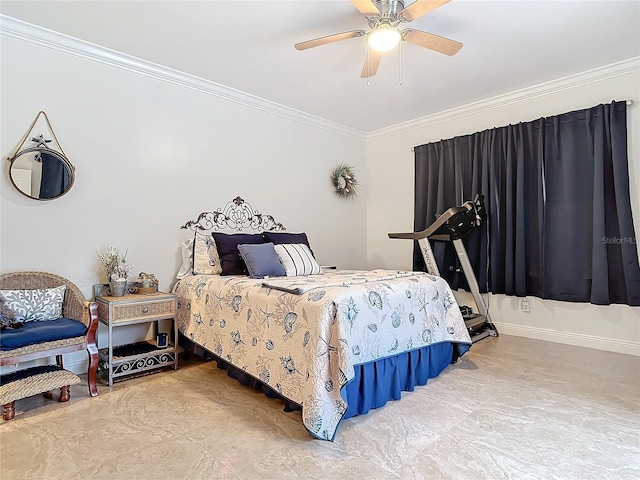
(39, 171)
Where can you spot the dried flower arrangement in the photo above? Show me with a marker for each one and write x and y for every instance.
(114, 265)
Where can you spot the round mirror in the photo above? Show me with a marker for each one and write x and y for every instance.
(41, 173)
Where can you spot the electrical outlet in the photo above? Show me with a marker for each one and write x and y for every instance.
(526, 306)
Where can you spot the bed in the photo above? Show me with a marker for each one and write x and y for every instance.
(334, 343)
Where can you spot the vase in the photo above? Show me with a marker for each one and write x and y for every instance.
(118, 289)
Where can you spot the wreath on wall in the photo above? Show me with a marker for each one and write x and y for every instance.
(344, 181)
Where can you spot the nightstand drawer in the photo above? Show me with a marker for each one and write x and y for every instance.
(127, 312)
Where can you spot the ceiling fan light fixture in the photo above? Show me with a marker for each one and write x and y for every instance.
(384, 17)
(384, 38)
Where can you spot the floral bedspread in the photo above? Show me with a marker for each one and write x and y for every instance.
(304, 345)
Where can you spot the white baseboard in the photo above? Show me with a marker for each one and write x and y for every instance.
(78, 367)
(570, 338)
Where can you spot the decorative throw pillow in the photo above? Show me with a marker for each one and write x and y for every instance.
(7, 317)
(35, 305)
(230, 260)
(206, 260)
(261, 260)
(186, 251)
(279, 238)
(297, 259)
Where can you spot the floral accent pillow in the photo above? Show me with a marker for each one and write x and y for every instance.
(206, 260)
(35, 305)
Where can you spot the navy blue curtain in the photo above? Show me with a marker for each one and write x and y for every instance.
(557, 195)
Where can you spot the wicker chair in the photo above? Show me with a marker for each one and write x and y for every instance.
(75, 306)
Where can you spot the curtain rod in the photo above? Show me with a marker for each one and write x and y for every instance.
(628, 102)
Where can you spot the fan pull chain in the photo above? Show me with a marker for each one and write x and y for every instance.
(368, 66)
(400, 65)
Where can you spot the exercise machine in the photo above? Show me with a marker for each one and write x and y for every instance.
(452, 226)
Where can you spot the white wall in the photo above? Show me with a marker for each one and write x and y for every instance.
(150, 155)
(390, 177)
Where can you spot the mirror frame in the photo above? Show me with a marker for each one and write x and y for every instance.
(58, 155)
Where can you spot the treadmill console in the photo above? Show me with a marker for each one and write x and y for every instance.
(462, 220)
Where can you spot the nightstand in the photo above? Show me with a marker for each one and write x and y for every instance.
(122, 360)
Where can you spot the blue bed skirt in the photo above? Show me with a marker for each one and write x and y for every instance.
(377, 382)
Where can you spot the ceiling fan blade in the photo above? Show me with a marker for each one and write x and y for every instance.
(366, 7)
(316, 42)
(419, 8)
(431, 41)
(371, 63)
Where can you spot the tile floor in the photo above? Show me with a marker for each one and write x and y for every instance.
(513, 408)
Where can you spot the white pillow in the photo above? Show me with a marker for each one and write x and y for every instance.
(35, 305)
(186, 249)
(297, 259)
(206, 260)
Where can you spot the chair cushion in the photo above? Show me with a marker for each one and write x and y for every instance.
(40, 332)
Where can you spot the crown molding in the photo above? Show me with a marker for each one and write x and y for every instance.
(548, 88)
(12, 27)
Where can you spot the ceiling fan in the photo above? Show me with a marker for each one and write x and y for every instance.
(384, 16)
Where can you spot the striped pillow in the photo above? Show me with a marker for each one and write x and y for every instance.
(297, 259)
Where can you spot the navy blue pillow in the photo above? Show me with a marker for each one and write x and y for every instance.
(261, 260)
(278, 238)
(227, 245)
